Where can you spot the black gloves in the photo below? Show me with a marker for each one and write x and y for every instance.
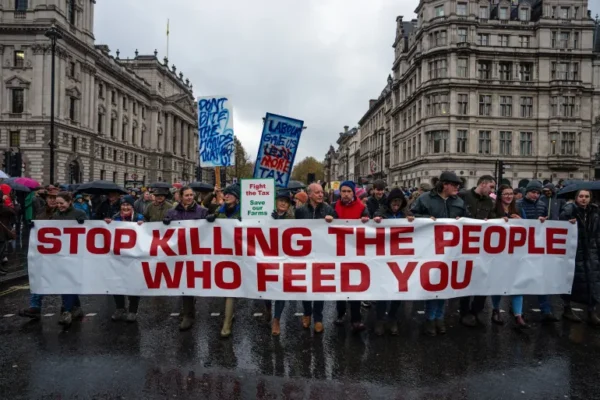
(167, 221)
(239, 218)
(80, 220)
(274, 215)
(31, 224)
(211, 218)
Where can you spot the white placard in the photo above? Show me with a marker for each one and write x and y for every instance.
(257, 198)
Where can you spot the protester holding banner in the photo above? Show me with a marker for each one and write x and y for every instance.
(127, 214)
(586, 283)
(396, 208)
(478, 205)
(157, 211)
(108, 207)
(186, 209)
(507, 208)
(378, 199)
(350, 207)
(316, 208)
(66, 211)
(442, 202)
(533, 208)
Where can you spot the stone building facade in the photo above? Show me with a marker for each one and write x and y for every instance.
(118, 119)
(478, 81)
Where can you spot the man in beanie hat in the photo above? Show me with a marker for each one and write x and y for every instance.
(533, 208)
(349, 207)
(378, 199)
(442, 202)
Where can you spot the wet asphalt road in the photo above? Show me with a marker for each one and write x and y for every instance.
(99, 359)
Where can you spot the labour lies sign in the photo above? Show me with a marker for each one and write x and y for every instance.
(304, 260)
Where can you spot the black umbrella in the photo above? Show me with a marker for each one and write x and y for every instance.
(161, 185)
(73, 187)
(101, 187)
(594, 185)
(295, 185)
(17, 187)
(202, 187)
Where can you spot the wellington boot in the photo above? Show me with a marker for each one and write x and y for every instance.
(226, 331)
(570, 315)
(186, 323)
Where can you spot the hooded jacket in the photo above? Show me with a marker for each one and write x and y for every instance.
(586, 282)
(373, 204)
(83, 206)
(431, 204)
(553, 204)
(386, 212)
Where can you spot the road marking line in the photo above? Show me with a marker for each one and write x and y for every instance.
(215, 314)
(258, 314)
(93, 314)
(299, 314)
(421, 312)
(175, 314)
(9, 315)
(577, 309)
(536, 310)
(502, 311)
(48, 315)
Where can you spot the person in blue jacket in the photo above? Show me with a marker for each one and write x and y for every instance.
(81, 204)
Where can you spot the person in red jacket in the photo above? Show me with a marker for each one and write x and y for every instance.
(350, 207)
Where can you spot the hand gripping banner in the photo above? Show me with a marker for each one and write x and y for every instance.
(303, 260)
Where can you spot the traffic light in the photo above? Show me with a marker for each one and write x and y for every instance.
(311, 178)
(12, 163)
(501, 171)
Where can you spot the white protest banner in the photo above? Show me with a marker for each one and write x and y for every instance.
(215, 132)
(303, 260)
(258, 198)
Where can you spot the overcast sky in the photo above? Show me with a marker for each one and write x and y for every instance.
(315, 60)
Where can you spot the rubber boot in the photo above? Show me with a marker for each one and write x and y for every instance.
(226, 331)
(189, 313)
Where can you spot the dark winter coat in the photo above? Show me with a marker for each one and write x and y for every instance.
(431, 204)
(386, 213)
(586, 284)
(225, 213)
(322, 210)
(532, 209)
(135, 217)
(181, 213)
(553, 206)
(478, 206)
(373, 205)
(7, 220)
(107, 210)
(46, 214)
(156, 213)
(70, 214)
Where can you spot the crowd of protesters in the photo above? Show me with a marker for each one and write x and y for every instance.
(443, 199)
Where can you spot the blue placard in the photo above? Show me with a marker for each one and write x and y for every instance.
(215, 132)
(277, 150)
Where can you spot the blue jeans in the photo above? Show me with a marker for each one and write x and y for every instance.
(517, 303)
(314, 308)
(69, 301)
(434, 309)
(545, 306)
(35, 300)
(279, 306)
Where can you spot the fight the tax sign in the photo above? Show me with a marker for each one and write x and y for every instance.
(258, 198)
(277, 150)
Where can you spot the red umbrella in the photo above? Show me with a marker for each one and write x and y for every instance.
(30, 183)
(177, 185)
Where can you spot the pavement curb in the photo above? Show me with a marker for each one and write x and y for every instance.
(13, 276)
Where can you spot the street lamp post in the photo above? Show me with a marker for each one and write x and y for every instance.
(53, 34)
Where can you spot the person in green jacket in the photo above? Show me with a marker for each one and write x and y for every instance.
(229, 210)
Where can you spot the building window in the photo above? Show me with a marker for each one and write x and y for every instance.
(102, 175)
(19, 59)
(524, 14)
(133, 135)
(526, 143)
(100, 120)
(463, 67)
(461, 9)
(18, 101)
(71, 11)
(485, 142)
(135, 160)
(21, 5)
(461, 141)
(438, 142)
(505, 71)
(485, 105)
(462, 35)
(439, 11)
(115, 176)
(576, 40)
(484, 12)
(564, 40)
(526, 107)
(525, 71)
(124, 132)
(72, 69)
(504, 40)
(567, 144)
(439, 38)
(568, 106)
(15, 138)
(575, 73)
(463, 104)
(404, 153)
(553, 39)
(74, 144)
(503, 13)
(124, 103)
(143, 112)
(524, 41)
(113, 97)
(72, 108)
(134, 108)
(101, 90)
(439, 104)
(115, 154)
(506, 106)
(113, 127)
(564, 12)
(553, 141)
(484, 39)
(438, 69)
(505, 143)
(102, 152)
(485, 69)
